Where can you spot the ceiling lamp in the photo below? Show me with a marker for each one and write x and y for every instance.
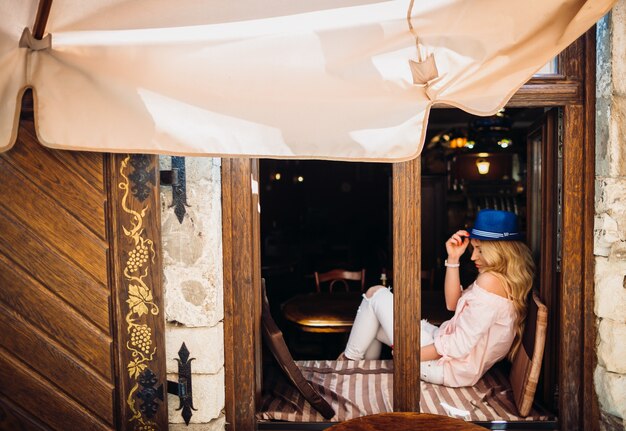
(483, 166)
(492, 133)
(458, 142)
(505, 142)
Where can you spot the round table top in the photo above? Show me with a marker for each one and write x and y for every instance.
(405, 422)
(323, 311)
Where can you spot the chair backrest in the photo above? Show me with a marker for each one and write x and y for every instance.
(339, 276)
(526, 365)
(273, 337)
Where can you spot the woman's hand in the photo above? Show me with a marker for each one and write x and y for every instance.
(456, 245)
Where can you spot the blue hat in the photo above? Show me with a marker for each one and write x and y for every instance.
(496, 225)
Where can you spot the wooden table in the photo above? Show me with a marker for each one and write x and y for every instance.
(405, 422)
(334, 312)
(323, 312)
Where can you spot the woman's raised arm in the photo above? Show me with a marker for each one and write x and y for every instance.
(455, 246)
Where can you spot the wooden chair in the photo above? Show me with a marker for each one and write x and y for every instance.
(339, 275)
(526, 366)
(273, 337)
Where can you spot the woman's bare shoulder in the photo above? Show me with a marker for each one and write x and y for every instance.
(491, 283)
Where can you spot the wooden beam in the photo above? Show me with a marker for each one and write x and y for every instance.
(136, 277)
(571, 288)
(591, 412)
(407, 284)
(547, 92)
(573, 236)
(242, 291)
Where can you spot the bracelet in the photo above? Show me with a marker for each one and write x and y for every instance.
(451, 265)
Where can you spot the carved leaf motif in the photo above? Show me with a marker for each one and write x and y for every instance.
(135, 369)
(138, 296)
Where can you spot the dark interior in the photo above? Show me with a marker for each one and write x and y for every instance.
(319, 215)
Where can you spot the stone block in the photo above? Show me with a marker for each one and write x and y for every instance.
(611, 390)
(604, 57)
(603, 136)
(618, 47)
(612, 345)
(611, 199)
(192, 250)
(611, 423)
(610, 291)
(606, 233)
(192, 297)
(208, 399)
(218, 424)
(205, 344)
(617, 132)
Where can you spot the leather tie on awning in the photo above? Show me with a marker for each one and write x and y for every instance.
(27, 40)
(423, 71)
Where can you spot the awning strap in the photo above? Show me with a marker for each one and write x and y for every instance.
(423, 71)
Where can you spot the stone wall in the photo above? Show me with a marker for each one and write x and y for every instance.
(610, 223)
(193, 282)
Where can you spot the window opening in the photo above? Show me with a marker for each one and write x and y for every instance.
(319, 215)
(550, 68)
(485, 163)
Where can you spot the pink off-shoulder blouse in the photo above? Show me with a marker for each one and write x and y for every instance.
(479, 334)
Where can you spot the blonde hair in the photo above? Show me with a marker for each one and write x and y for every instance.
(512, 263)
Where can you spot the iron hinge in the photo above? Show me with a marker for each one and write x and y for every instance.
(182, 388)
(176, 177)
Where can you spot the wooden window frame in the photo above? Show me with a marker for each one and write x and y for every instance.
(573, 89)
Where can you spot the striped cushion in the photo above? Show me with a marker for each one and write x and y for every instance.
(358, 388)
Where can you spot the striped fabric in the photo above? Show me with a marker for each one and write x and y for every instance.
(495, 235)
(359, 388)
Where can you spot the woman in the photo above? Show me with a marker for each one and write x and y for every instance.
(489, 315)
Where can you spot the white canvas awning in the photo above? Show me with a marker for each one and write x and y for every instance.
(278, 78)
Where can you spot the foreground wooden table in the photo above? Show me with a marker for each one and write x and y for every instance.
(405, 422)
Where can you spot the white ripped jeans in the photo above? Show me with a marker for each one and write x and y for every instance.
(373, 325)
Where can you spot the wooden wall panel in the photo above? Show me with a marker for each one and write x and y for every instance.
(45, 311)
(44, 400)
(56, 178)
(51, 359)
(87, 165)
(56, 354)
(49, 266)
(14, 418)
(54, 225)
